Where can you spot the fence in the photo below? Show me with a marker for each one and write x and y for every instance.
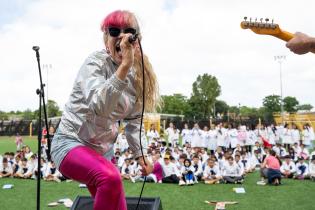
(24, 127)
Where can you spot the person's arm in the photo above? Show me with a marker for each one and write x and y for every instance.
(301, 43)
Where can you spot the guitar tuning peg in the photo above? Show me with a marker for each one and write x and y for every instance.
(245, 18)
(255, 20)
(267, 19)
(261, 20)
(272, 21)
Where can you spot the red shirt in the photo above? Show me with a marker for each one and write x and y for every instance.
(272, 162)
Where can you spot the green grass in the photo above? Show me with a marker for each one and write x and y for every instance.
(7, 144)
(292, 194)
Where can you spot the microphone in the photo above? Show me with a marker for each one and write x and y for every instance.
(132, 38)
(35, 48)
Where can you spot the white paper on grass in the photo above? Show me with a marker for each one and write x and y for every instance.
(239, 190)
(82, 186)
(7, 186)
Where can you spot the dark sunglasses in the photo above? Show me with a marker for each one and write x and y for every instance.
(115, 32)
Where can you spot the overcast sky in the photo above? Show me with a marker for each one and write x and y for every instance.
(182, 38)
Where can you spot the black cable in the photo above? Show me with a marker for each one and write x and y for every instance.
(143, 100)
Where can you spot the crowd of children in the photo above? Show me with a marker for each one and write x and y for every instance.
(221, 154)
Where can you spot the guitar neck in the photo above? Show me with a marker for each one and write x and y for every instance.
(284, 35)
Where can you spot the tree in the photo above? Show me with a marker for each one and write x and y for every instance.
(290, 104)
(175, 104)
(53, 109)
(3, 116)
(28, 114)
(204, 93)
(306, 107)
(271, 103)
(221, 107)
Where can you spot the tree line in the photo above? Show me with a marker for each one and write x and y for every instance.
(202, 104)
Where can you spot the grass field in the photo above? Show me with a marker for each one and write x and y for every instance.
(291, 195)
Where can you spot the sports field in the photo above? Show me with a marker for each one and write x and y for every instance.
(291, 195)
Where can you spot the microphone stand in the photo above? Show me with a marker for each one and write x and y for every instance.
(40, 93)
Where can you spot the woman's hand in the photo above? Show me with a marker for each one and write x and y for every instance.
(147, 167)
(127, 50)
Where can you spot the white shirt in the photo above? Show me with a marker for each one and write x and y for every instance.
(299, 171)
(311, 169)
(288, 167)
(7, 169)
(213, 138)
(208, 172)
(295, 136)
(169, 169)
(231, 170)
(186, 134)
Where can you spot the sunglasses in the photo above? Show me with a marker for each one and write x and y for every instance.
(115, 32)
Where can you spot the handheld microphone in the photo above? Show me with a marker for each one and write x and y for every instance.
(35, 48)
(132, 38)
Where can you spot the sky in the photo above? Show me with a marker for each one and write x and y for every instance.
(183, 39)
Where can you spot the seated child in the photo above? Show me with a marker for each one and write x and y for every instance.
(287, 168)
(52, 173)
(5, 168)
(127, 169)
(187, 172)
(301, 169)
(312, 168)
(231, 172)
(211, 174)
(170, 171)
(25, 170)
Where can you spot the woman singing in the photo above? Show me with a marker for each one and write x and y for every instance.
(107, 89)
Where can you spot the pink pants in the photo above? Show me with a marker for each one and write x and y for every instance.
(102, 178)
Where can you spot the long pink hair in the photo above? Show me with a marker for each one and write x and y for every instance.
(121, 19)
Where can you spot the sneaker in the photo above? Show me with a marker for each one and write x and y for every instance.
(187, 182)
(261, 183)
(240, 181)
(56, 179)
(191, 182)
(160, 181)
(132, 179)
(181, 183)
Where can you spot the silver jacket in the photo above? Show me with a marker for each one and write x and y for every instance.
(97, 102)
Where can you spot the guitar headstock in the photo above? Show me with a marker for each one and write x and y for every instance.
(263, 26)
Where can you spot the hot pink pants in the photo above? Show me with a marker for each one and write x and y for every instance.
(102, 178)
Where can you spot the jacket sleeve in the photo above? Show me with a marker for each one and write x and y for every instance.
(101, 93)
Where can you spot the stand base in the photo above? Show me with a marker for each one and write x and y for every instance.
(86, 203)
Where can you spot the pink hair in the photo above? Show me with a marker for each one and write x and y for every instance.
(118, 18)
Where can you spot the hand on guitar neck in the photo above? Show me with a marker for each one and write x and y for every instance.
(298, 43)
(301, 43)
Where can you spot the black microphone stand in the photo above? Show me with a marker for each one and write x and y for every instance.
(40, 93)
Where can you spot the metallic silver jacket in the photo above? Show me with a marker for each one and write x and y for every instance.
(97, 102)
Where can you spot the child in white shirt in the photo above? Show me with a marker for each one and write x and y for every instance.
(25, 170)
(232, 172)
(312, 169)
(187, 172)
(211, 174)
(301, 169)
(52, 173)
(5, 168)
(288, 168)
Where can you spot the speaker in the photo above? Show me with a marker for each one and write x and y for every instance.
(86, 203)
